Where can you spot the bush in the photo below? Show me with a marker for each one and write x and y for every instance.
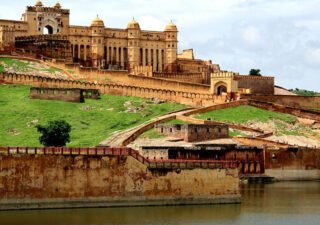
(56, 133)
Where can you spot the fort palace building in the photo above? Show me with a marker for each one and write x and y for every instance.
(101, 46)
(46, 33)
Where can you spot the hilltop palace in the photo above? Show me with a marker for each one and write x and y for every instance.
(45, 32)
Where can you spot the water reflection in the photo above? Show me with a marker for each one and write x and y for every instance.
(280, 203)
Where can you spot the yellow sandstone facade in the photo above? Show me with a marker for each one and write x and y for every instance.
(98, 45)
(152, 54)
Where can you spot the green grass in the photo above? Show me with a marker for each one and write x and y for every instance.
(242, 114)
(89, 127)
(52, 70)
(235, 133)
(152, 134)
(25, 66)
(176, 122)
(1, 68)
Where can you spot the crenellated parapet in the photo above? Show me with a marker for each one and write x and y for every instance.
(254, 77)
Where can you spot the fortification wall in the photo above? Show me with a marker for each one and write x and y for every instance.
(62, 94)
(188, 98)
(60, 181)
(303, 113)
(123, 77)
(257, 84)
(302, 164)
(288, 100)
(196, 78)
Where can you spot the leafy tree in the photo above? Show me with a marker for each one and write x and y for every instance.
(255, 72)
(56, 133)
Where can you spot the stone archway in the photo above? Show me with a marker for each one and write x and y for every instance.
(221, 89)
(50, 25)
(48, 29)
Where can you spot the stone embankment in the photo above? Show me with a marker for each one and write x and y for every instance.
(42, 178)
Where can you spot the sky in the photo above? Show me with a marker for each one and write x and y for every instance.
(279, 37)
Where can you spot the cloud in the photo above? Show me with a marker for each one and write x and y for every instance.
(252, 37)
(313, 56)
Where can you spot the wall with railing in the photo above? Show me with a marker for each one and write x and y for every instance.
(105, 151)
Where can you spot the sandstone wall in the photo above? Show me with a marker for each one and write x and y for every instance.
(196, 78)
(257, 84)
(188, 98)
(288, 100)
(28, 181)
(302, 164)
(69, 95)
(177, 82)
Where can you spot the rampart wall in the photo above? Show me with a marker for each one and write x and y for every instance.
(302, 164)
(187, 98)
(67, 181)
(123, 77)
(299, 112)
(257, 84)
(196, 78)
(288, 100)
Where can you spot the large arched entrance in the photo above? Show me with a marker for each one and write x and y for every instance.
(221, 89)
(48, 29)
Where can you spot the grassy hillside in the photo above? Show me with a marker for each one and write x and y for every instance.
(27, 66)
(91, 122)
(242, 114)
(281, 124)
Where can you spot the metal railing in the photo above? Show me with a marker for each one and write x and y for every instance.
(122, 151)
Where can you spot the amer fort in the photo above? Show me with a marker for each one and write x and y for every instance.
(196, 158)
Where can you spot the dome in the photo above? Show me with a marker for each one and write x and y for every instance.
(57, 5)
(171, 27)
(39, 4)
(133, 24)
(97, 22)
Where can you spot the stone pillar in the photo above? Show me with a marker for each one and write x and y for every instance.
(111, 56)
(115, 52)
(143, 57)
(154, 60)
(122, 57)
(149, 57)
(160, 60)
(79, 52)
(85, 53)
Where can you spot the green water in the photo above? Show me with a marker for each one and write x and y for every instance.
(279, 203)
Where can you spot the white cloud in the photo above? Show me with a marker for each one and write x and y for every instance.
(252, 37)
(313, 56)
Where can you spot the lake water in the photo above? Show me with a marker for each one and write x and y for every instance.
(279, 203)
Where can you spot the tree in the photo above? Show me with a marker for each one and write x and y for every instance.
(255, 72)
(56, 133)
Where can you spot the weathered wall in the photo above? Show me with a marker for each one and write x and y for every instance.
(257, 84)
(28, 181)
(194, 132)
(62, 94)
(196, 78)
(302, 164)
(288, 100)
(187, 98)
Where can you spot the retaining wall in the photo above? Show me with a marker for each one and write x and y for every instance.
(60, 181)
(288, 100)
(302, 164)
(187, 98)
